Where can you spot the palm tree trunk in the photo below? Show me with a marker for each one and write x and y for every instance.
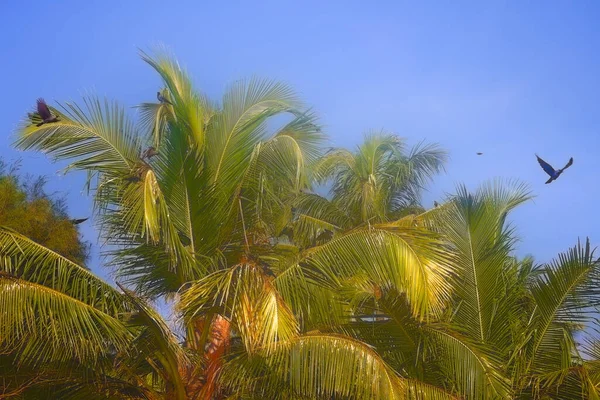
(203, 385)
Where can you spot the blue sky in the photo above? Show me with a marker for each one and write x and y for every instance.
(505, 78)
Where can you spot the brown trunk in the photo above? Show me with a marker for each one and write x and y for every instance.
(202, 384)
(218, 342)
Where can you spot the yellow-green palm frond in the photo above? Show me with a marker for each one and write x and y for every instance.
(408, 260)
(247, 297)
(43, 325)
(565, 294)
(98, 137)
(30, 261)
(317, 365)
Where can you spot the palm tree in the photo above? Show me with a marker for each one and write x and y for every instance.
(379, 182)
(283, 293)
(193, 203)
(510, 329)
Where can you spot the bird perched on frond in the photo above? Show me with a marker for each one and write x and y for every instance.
(149, 152)
(45, 113)
(162, 98)
(554, 174)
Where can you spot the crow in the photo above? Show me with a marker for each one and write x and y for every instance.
(162, 98)
(554, 174)
(479, 153)
(435, 203)
(45, 113)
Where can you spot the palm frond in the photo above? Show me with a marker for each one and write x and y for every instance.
(155, 330)
(408, 260)
(30, 261)
(246, 296)
(565, 297)
(43, 325)
(239, 125)
(98, 137)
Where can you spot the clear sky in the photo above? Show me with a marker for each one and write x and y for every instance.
(508, 79)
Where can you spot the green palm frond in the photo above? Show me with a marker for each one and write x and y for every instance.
(155, 118)
(98, 137)
(168, 351)
(30, 261)
(474, 369)
(43, 325)
(192, 110)
(317, 366)
(408, 260)
(239, 125)
(248, 298)
(565, 297)
(316, 216)
(475, 226)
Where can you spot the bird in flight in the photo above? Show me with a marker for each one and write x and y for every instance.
(479, 153)
(78, 221)
(554, 174)
(45, 113)
(162, 98)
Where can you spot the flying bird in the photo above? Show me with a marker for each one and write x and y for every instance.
(554, 174)
(479, 153)
(45, 113)
(78, 221)
(149, 152)
(162, 98)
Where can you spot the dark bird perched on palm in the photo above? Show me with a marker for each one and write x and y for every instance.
(162, 98)
(435, 204)
(45, 113)
(554, 174)
(149, 152)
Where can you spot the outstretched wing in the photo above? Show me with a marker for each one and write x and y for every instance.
(78, 221)
(546, 167)
(43, 109)
(568, 164)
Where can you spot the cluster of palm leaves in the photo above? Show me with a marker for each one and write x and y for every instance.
(282, 293)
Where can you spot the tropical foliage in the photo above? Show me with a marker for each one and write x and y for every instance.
(27, 208)
(283, 293)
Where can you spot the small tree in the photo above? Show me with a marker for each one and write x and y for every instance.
(27, 208)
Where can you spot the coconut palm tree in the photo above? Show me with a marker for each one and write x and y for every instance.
(193, 203)
(282, 293)
(509, 330)
(379, 181)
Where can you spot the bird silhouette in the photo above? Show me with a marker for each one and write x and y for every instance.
(162, 98)
(45, 113)
(78, 221)
(479, 153)
(554, 174)
(435, 203)
(149, 152)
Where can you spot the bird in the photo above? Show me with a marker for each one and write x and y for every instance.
(479, 153)
(162, 98)
(45, 113)
(78, 221)
(149, 152)
(554, 174)
(435, 203)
